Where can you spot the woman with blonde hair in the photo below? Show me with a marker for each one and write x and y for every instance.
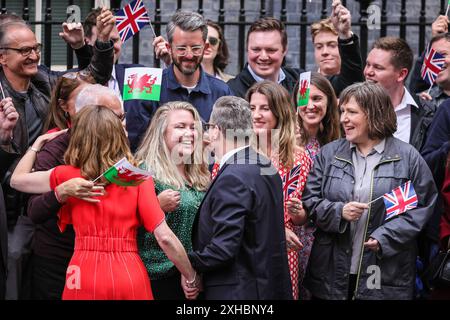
(105, 264)
(172, 149)
(274, 125)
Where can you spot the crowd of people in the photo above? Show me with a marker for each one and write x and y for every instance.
(251, 196)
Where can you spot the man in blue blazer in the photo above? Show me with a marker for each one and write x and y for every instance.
(239, 240)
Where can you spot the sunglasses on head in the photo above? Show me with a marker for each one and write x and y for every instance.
(213, 41)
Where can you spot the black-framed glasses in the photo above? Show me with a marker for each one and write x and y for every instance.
(213, 41)
(26, 51)
(183, 50)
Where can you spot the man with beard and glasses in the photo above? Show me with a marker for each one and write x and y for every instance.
(183, 80)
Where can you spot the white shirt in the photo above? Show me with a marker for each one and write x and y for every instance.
(403, 112)
(281, 75)
(229, 154)
(113, 83)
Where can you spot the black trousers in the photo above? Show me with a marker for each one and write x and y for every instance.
(49, 278)
(168, 288)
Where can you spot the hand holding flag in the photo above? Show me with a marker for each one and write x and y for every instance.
(123, 173)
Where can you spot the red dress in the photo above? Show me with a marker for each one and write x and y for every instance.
(105, 264)
(294, 182)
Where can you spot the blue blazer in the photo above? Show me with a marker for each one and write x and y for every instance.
(238, 236)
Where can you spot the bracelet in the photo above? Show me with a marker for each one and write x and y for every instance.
(33, 149)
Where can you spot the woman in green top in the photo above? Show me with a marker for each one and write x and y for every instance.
(172, 149)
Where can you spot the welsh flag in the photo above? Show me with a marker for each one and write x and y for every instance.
(123, 173)
(142, 83)
(303, 89)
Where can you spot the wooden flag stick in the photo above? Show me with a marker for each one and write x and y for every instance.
(3, 92)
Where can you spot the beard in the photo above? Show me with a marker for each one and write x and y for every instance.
(188, 71)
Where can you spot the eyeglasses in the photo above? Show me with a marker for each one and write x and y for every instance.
(121, 116)
(183, 50)
(26, 51)
(213, 41)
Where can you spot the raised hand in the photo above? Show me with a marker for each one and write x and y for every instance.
(8, 119)
(440, 25)
(341, 19)
(161, 50)
(105, 24)
(73, 34)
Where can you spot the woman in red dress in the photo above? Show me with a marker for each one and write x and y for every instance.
(105, 264)
(274, 125)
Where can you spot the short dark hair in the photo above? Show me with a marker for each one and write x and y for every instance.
(402, 55)
(375, 102)
(91, 21)
(221, 60)
(269, 24)
(440, 36)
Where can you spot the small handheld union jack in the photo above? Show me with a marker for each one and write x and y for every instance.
(399, 200)
(130, 19)
(290, 181)
(432, 65)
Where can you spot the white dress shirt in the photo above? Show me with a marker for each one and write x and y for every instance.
(403, 112)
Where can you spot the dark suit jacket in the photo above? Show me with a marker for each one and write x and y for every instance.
(239, 238)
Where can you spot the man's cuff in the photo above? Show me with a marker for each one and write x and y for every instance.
(103, 46)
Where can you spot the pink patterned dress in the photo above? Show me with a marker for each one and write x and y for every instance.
(294, 181)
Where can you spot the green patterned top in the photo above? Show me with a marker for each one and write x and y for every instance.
(180, 221)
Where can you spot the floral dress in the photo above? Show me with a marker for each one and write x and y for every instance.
(294, 181)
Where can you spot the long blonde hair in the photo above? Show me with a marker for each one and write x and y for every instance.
(154, 154)
(282, 107)
(97, 141)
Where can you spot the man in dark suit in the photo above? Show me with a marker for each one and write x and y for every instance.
(239, 240)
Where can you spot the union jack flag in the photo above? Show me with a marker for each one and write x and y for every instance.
(132, 18)
(432, 65)
(290, 181)
(400, 199)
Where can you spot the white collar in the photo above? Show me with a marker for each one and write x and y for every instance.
(281, 75)
(229, 154)
(407, 99)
